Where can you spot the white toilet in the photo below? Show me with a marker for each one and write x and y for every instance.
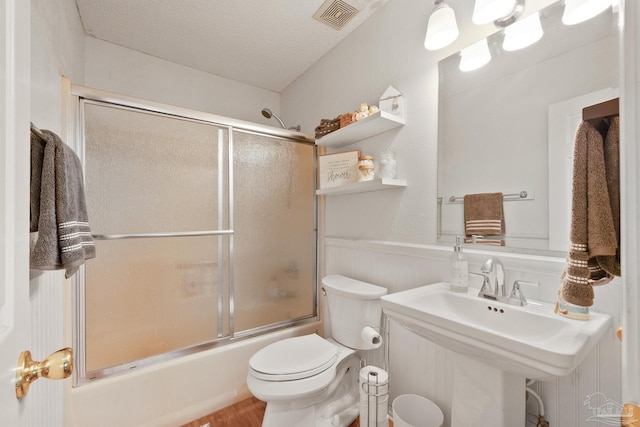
(311, 381)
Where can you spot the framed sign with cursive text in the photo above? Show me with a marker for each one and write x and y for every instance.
(338, 169)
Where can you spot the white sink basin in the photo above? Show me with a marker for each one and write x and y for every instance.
(531, 341)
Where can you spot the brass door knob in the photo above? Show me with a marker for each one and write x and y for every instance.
(630, 415)
(57, 366)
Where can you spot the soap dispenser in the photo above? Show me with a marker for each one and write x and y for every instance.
(459, 269)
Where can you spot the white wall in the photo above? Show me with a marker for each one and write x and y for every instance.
(117, 69)
(386, 50)
(384, 237)
(57, 49)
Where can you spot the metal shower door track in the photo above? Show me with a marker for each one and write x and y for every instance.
(167, 234)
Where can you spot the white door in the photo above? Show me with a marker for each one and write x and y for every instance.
(14, 203)
(629, 163)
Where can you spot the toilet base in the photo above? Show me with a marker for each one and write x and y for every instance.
(335, 406)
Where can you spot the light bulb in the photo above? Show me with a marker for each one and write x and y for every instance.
(523, 33)
(475, 56)
(486, 11)
(442, 29)
(577, 11)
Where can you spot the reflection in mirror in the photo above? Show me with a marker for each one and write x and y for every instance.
(494, 132)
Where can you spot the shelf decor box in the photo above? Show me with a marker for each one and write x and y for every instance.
(338, 169)
(392, 102)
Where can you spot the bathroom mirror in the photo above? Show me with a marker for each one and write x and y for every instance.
(494, 127)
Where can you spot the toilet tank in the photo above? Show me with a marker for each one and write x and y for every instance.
(353, 305)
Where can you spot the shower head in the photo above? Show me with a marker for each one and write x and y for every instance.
(268, 114)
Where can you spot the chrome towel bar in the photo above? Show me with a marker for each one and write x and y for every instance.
(520, 195)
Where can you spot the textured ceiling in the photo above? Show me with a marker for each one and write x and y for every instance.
(264, 43)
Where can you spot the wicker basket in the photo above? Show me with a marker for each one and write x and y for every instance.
(346, 119)
(327, 126)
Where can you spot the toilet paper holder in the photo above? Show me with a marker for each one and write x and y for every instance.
(366, 387)
(371, 338)
(374, 397)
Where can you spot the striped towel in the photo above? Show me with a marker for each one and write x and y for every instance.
(483, 218)
(594, 257)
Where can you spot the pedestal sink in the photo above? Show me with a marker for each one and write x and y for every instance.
(500, 345)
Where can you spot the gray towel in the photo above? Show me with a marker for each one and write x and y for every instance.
(58, 208)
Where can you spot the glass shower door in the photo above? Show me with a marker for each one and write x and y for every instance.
(205, 232)
(274, 222)
(157, 198)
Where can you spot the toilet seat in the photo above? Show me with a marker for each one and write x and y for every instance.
(293, 359)
(298, 390)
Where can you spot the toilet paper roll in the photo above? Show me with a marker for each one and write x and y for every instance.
(370, 338)
(374, 396)
(371, 373)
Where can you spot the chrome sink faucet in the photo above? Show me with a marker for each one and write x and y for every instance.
(488, 267)
(499, 292)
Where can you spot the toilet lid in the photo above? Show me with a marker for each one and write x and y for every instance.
(293, 358)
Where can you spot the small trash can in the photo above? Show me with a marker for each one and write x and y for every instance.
(411, 410)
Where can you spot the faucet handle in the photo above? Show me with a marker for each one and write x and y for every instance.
(486, 283)
(516, 291)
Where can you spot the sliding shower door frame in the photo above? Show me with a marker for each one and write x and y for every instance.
(81, 95)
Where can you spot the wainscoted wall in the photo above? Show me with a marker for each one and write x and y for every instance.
(46, 296)
(57, 48)
(418, 366)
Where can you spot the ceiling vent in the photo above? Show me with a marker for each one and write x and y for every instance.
(337, 13)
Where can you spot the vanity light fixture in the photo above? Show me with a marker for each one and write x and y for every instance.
(523, 33)
(577, 11)
(442, 28)
(486, 11)
(474, 56)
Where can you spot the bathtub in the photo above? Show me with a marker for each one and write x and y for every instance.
(173, 393)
